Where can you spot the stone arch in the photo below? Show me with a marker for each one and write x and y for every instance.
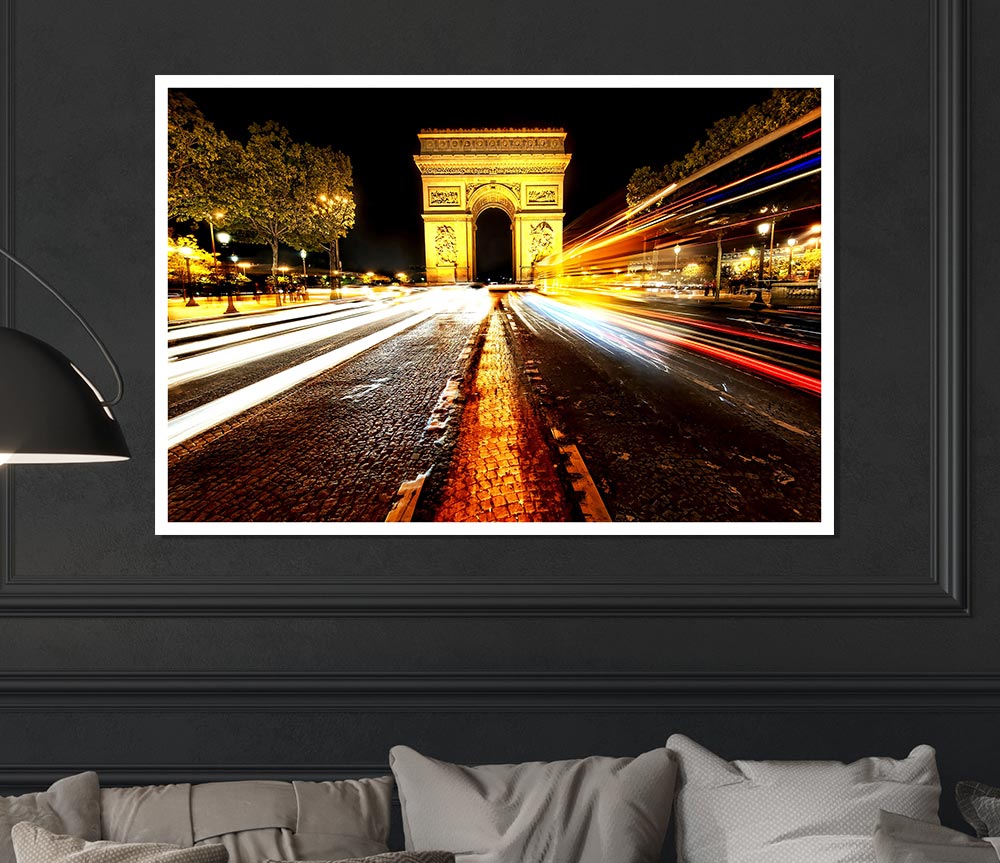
(466, 171)
(492, 196)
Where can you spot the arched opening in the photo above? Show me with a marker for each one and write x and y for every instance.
(494, 246)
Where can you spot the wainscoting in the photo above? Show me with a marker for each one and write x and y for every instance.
(160, 728)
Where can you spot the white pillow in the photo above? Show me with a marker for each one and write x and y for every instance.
(899, 839)
(592, 810)
(793, 811)
(34, 844)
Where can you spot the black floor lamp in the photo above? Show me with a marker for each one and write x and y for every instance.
(49, 412)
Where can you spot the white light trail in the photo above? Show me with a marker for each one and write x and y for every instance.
(206, 416)
(194, 329)
(200, 366)
(201, 345)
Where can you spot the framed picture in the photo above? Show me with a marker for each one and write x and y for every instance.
(890, 536)
(335, 357)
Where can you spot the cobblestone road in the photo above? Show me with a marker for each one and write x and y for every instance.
(333, 449)
(665, 446)
(501, 468)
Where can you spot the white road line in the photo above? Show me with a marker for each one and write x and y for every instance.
(202, 418)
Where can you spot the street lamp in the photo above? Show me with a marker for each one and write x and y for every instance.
(231, 309)
(302, 254)
(211, 233)
(187, 251)
(677, 254)
(763, 229)
(791, 245)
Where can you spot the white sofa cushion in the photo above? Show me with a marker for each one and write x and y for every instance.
(793, 811)
(34, 844)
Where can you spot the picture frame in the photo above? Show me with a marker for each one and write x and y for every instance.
(562, 577)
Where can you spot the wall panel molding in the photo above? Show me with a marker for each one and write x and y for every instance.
(941, 588)
(291, 692)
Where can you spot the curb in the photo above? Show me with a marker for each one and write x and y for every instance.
(449, 408)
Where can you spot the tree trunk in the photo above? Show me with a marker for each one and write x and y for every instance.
(334, 293)
(274, 273)
(336, 254)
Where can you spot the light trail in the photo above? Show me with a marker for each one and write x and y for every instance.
(183, 330)
(202, 418)
(245, 334)
(612, 230)
(475, 304)
(202, 365)
(653, 341)
(690, 322)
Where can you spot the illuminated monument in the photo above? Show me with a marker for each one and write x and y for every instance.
(466, 171)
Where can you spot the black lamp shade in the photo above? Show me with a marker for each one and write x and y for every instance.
(49, 412)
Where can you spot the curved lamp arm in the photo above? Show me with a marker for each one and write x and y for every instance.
(114, 366)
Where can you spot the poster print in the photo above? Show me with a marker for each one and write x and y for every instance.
(444, 305)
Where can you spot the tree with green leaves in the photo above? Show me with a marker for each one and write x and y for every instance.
(267, 191)
(331, 211)
(195, 150)
(783, 106)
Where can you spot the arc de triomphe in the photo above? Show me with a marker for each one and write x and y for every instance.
(466, 171)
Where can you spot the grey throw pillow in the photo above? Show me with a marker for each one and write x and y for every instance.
(980, 807)
(590, 810)
(899, 839)
(257, 819)
(34, 844)
(71, 805)
(793, 811)
(391, 857)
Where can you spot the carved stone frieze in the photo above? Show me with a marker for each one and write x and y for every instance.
(513, 188)
(446, 168)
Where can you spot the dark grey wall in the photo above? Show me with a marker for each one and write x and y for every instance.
(129, 652)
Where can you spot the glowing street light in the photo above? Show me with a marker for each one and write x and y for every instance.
(302, 254)
(231, 309)
(763, 229)
(677, 254)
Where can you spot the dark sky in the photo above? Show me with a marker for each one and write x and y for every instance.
(610, 133)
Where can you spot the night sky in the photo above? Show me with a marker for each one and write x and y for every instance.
(611, 132)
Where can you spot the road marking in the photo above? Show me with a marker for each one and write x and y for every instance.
(591, 505)
(200, 419)
(406, 502)
(749, 407)
(363, 389)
